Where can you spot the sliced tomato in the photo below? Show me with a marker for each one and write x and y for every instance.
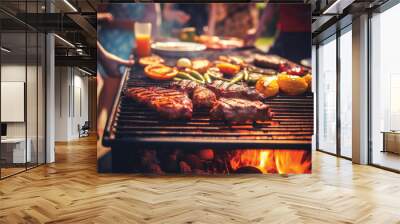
(228, 68)
(160, 72)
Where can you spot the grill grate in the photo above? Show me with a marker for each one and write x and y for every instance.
(290, 128)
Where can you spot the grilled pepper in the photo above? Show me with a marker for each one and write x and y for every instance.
(207, 77)
(308, 79)
(245, 75)
(268, 86)
(160, 72)
(237, 78)
(292, 84)
(214, 76)
(185, 75)
(228, 68)
(195, 74)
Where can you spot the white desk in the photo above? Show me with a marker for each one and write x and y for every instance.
(17, 147)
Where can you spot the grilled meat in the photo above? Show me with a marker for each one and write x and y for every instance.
(169, 103)
(268, 61)
(224, 89)
(201, 96)
(264, 71)
(240, 110)
(185, 85)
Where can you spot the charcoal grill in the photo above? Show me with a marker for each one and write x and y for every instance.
(132, 125)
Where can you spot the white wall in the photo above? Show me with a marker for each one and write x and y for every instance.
(71, 102)
(33, 127)
(16, 72)
(61, 103)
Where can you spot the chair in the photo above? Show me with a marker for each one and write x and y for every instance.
(84, 130)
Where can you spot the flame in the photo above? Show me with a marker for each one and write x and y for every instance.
(261, 159)
(273, 161)
(292, 161)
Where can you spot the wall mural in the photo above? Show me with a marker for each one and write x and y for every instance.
(204, 88)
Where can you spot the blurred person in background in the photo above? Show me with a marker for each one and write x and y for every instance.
(293, 30)
(115, 33)
(181, 15)
(233, 20)
(115, 42)
(123, 16)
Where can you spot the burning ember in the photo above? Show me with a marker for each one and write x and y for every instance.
(209, 161)
(273, 161)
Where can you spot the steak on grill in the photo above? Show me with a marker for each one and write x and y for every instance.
(239, 110)
(169, 103)
(201, 96)
(185, 85)
(268, 61)
(224, 89)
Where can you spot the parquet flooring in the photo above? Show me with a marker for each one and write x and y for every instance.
(71, 191)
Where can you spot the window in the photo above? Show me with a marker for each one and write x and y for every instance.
(327, 96)
(346, 94)
(385, 89)
(22, 75)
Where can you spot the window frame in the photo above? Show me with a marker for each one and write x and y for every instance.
(380, 9)
(333, 37)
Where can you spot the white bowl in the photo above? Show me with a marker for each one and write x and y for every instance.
(178, 49)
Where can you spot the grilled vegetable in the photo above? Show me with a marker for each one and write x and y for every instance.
(253, 78)
(308, 79)
(232, 59)
(228, 68)
(184, 63)
(185, 75)
(245, 75)
(207, 77)
(177, 79)
(268, 86)
(237, 78)
(150, 60)
(195, 74)
(201, 65)
(215, 76)
(160, 72)
(215, 71)
(292, 84)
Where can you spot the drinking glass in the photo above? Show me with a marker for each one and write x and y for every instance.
(143, 39)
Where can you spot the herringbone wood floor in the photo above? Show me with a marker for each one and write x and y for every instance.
(71, 191)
